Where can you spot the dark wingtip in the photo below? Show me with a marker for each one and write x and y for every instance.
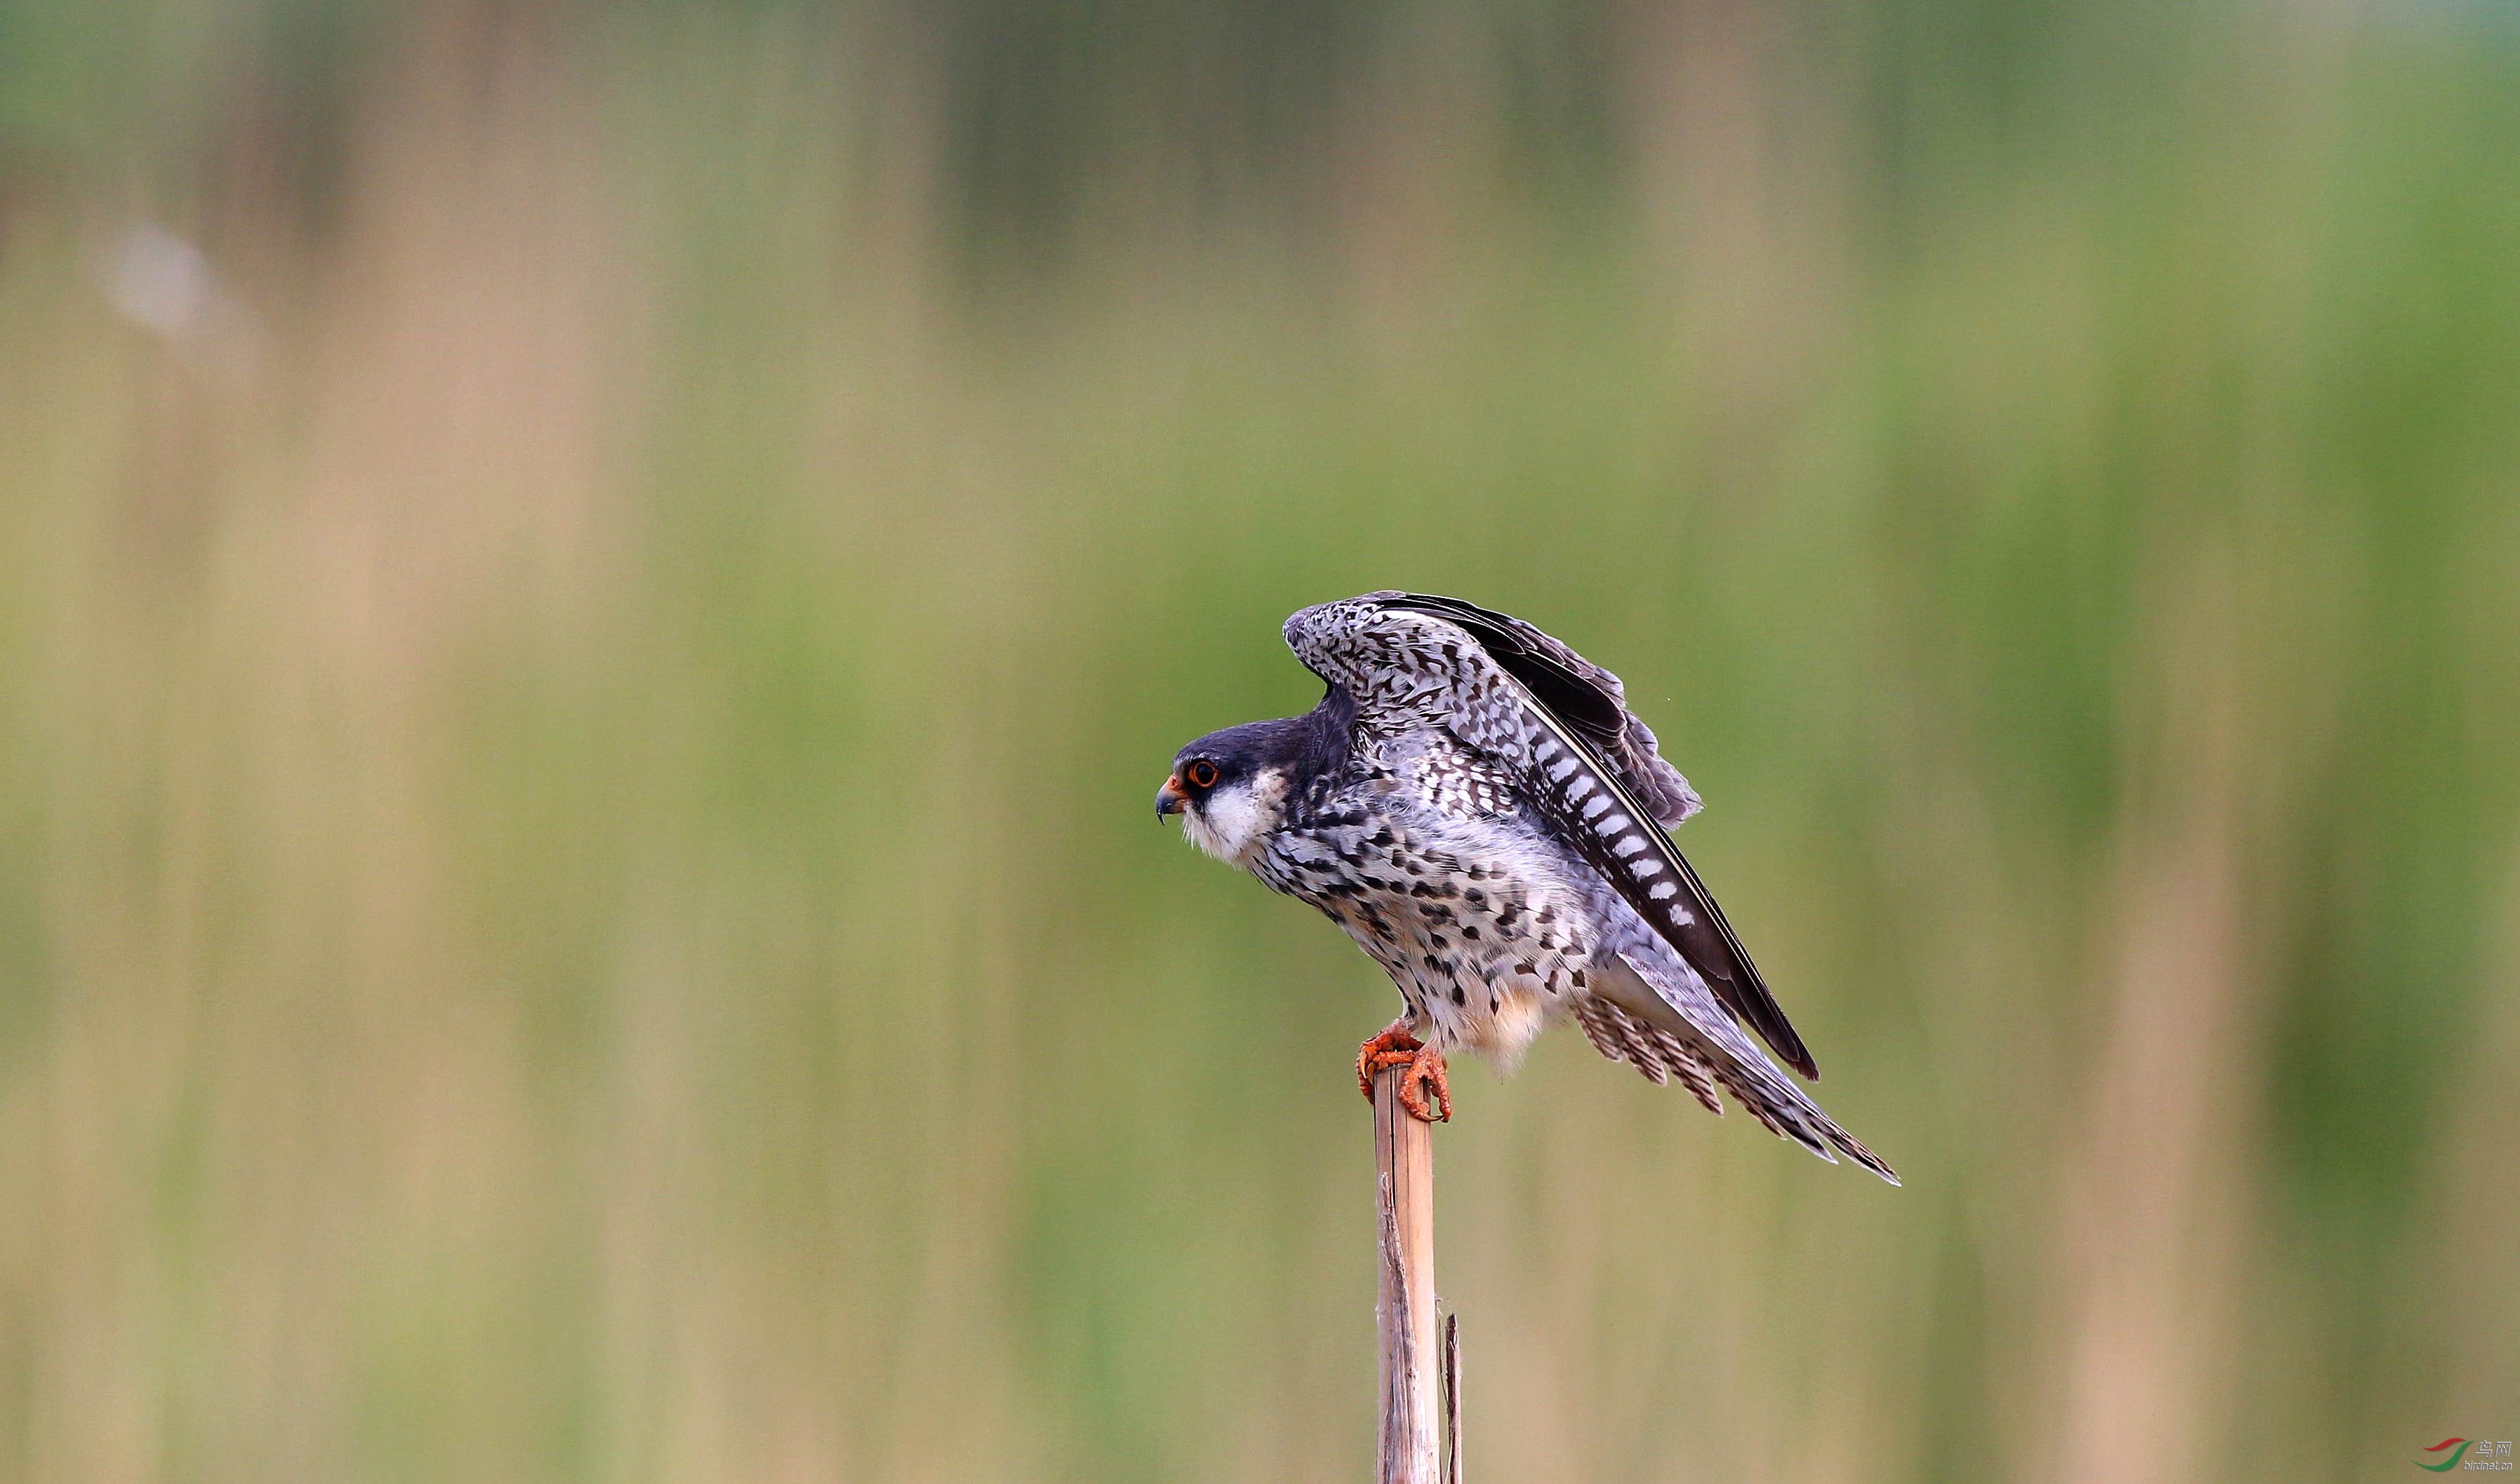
(1789, 1046)
(1757, 1009)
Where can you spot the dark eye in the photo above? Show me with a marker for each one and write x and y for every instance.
(1200, 774)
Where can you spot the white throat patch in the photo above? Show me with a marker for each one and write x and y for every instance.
(1231, 820)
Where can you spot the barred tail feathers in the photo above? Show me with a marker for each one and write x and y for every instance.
(1662, 1038)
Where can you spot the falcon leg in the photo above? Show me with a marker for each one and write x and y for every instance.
(1422, 1072)
(1389, 1047)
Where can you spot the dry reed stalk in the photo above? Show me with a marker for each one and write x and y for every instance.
(1403, 1152)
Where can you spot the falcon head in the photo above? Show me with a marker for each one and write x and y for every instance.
(1230, 786)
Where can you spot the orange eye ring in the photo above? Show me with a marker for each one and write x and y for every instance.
(1200, 774)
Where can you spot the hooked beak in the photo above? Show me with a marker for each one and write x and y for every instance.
(1170, 799)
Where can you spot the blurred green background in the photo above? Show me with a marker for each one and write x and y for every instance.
(592, 599)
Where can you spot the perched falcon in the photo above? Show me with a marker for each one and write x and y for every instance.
(1474, 803)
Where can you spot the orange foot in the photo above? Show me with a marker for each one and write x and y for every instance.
(1422, 1071)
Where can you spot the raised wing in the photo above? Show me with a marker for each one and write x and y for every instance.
(1586, 699)
(1508, 690)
